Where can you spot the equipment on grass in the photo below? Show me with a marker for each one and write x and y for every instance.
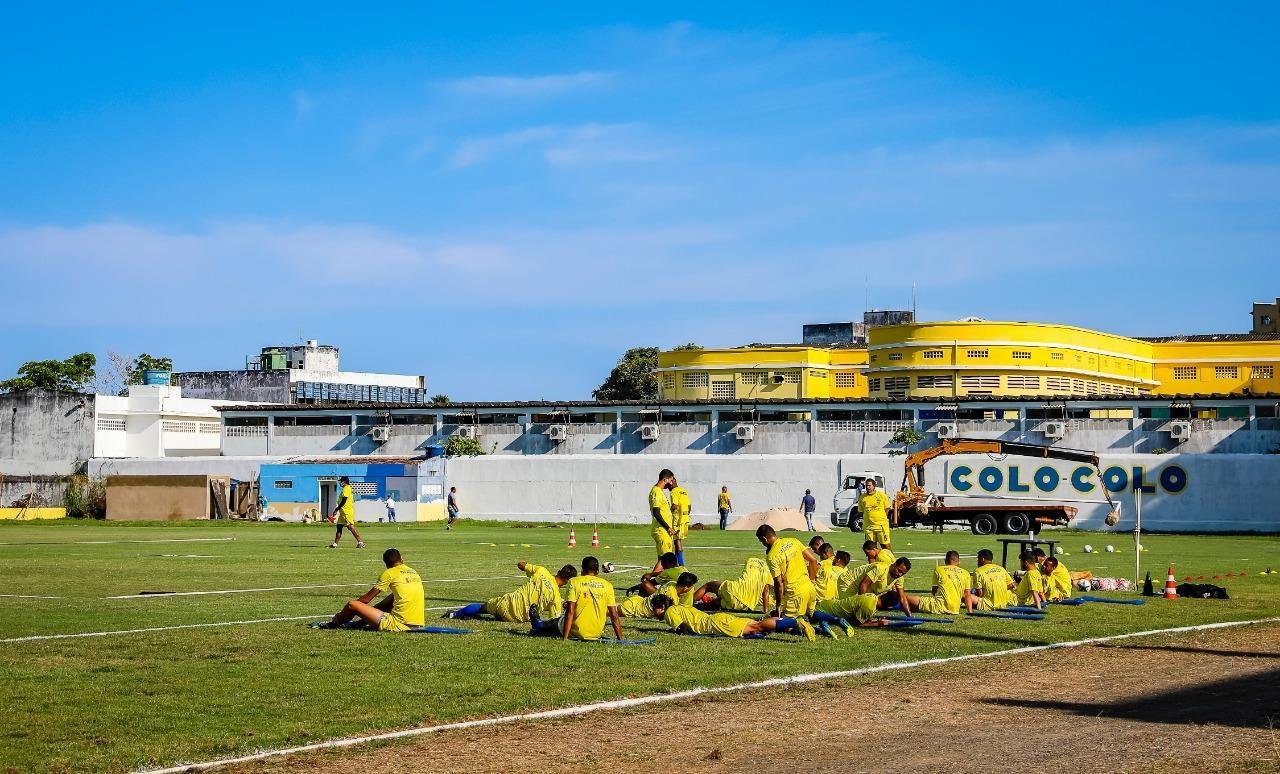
(1072, 602)
(1013, 616)
(1111, 549)
(1026, 609)
(918, 619)
(1148, 590)
(1088, 549)
(1170, 586)
(573, 538)
(438, 630)
(643, 641)
(607, 567)
(1113, 601)
(595, 537)
(901, 623)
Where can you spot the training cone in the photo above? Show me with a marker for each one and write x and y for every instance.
(1170, 586)
(573, 539)
(1148, 590)
(595, 537)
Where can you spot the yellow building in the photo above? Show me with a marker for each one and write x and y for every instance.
(975, 358)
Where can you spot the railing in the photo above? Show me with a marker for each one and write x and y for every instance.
(238, 431)
(862, 425)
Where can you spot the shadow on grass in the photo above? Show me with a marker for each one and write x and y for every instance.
(1196, 651)
(945, 631)
(1249, 701)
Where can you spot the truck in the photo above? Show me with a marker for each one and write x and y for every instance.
(913, 505)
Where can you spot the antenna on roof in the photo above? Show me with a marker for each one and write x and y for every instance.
(913, 301)
(866, 295)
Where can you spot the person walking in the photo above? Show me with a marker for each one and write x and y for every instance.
(725, 505)
(453, 507)
(390, 503)
(344, 514)
(808, 504)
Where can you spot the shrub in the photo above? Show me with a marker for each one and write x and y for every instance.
(457, 446)
(85, 498)
(906, 437)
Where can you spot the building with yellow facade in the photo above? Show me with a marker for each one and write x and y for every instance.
(978, 358)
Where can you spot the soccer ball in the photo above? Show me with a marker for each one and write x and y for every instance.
(608, 567)
(1111, 549)
(1088, 549)
(1059, 550)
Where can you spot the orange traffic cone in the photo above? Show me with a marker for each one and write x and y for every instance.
(595, 537)
(1170, 586)
(573, 539)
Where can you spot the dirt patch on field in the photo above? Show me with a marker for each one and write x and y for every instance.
(1203, 702)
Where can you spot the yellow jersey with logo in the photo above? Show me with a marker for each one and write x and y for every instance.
(1032, 581)
(540, 590)
(670, 576)
(722, 503)
(786, 560)
(828, 576)
(680, 509)
(408, 597)
(874, 508)
(636, 606)
(592, 596)
(1058, 583)
(992, 582)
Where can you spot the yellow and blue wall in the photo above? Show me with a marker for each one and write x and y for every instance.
(291, 491)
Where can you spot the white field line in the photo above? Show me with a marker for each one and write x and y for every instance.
(639, 701)
(28, 596)
(163, 628)
(115, 542)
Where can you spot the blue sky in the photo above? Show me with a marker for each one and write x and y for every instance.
(506, 199)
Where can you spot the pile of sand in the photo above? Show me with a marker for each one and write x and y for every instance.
(779, 519)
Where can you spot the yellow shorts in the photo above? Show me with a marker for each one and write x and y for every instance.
(346, 521)
(934, 606)
(984, 604)
(799, 600)
(663, 541)
(729, 625)
(391, 622)
(876, 532)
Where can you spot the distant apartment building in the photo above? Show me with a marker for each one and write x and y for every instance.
(303, 373)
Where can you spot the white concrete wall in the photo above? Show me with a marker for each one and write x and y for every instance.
(194, 424)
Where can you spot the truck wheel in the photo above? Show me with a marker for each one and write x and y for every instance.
(1015, 524)
(983, 524)
(855, 524)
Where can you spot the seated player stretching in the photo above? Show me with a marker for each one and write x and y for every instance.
(749, 593)
(402, 610)
(1030, 590)
(1057, 580)
(950, 589)
(886, 580)
(830, 569)
(641, 605)
(993, 583)
(690, 620)
(667, 570)
(588, 601)
(542, 591)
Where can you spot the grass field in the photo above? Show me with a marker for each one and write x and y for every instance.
(133, 700)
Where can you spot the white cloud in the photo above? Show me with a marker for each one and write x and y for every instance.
(478, 150)
(528, 87)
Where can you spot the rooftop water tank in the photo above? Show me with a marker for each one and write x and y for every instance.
(156, 377)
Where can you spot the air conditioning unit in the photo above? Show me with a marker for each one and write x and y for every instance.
(1180, 430)
(380, 434)
(1054, 429)
(466, 431)
(745, 433)
(946, 430)
(649, 432)
(558, 432)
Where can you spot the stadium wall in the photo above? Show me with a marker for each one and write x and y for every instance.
(1180, 493)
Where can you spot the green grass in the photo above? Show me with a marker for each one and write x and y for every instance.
(134, 700)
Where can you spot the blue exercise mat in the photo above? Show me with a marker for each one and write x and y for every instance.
(643, 641)
(1026, 609)
(1013, 616)
(1114, 601)
(439, 630)
(919, 619)
(1072, 602)
(901, 623)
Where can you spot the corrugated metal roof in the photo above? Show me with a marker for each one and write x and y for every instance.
(1204, 338)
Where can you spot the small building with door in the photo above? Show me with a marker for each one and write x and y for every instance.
(309, 487)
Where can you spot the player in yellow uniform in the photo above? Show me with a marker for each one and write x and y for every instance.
(667, 570)
(878, 553)
(662, 528)
(874, 506)
(641, 605)
(829, 571)
(993, 583)
(886, 579)
(724, 505)
(680, 510)
(403, 609)
(344, 514)
(542, 591)
(690, 620)
(950, 589)
(748, 593)
(847, 612)
(589, 601)
(794, 569)
(1030, 590)
(1057, 579)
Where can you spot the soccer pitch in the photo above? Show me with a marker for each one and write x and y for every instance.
(234, 669)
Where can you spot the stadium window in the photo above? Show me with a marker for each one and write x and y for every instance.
(694, 380)
(933, 354)
(1226, 372)
(846, 379)
(1185, 373)
(668, 382)
(1055, 355)
(1264, 372)
(895, 355)
(1021, 354)
(281, 484)
(978, 354)
(873, 384)
(722, 390)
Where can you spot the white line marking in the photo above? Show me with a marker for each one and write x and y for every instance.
(163, 595)
(583, 709)
(114, 542)
(163, 628)
(28, 596)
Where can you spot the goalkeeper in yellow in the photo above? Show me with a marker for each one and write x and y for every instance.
(690, 620)
(795, 571)
(541, 592)
(748, 593)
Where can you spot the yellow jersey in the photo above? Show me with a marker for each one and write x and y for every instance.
(670, 577)
(874, 507)
(540, 590)
(992, 582)
(1058, 583)
(848, 581)
(856, 608)
(722, 502)
(592, 596)
(1031, 581)
(348, 510)
(697, 622)
(885, 556)
(950, 585)
(636, 606)
(680, 508)
(745, 593)
(404, 585)
(658, 499)
(828, 578)
(786, 560)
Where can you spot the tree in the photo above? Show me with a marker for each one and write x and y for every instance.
(440, 399)
(124, 370)
(633, 377)
(70, 375)
(145, 362)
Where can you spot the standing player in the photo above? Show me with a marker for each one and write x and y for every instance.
(748, 593)
(344, 514)
(680, 509)
(993, 582)
(874, 506)
(662, 529)
(794, 569)
(689, 620)
(588, 601)
(541, 591)
(724, 504)
(403, 610)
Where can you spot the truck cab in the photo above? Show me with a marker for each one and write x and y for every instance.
(844, 506)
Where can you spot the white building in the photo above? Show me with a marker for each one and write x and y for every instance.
(155, 421)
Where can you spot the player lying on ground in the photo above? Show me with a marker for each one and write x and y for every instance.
(1030, 590)
(402, 610)
(668, 569)
(588, 601)
(993, 583)
(794, 569)
(951, 584)
(541, 591)
(689, 620)
(849, 611)
(640, 605)
(749, 593)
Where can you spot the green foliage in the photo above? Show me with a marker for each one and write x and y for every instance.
(70, 375)
(632, 378)
(905, 437)
(85, 498)
(440, 399)
(145, 362)
(457, 446)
